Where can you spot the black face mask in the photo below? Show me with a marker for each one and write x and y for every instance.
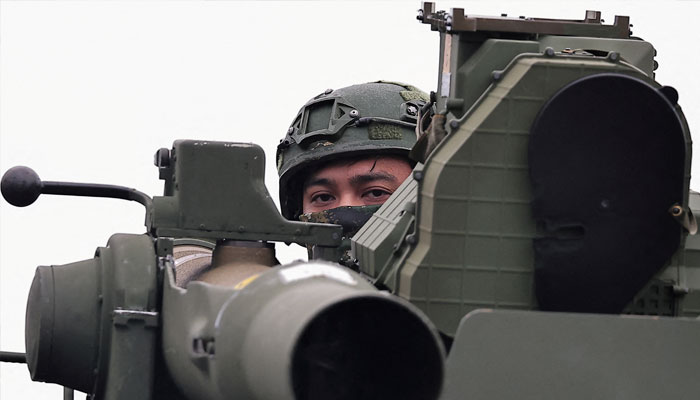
(351, 218)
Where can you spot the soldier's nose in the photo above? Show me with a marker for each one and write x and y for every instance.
(349, 200)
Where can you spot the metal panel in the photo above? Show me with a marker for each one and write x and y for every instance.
(536, 355)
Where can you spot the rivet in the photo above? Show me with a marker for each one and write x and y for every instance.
(354, 113)
(290, 130)
(454, 124)
(411, 110)
(549, 52)
(418, 175)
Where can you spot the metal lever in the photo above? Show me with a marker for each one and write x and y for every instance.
(10, 356)
(21, 186)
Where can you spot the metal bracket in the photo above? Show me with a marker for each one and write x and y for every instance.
(124, 317)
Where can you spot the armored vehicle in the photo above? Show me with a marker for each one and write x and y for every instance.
(543, 248)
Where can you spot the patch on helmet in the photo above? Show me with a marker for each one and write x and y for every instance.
(384, 131)
(410, 95)
(411, 92)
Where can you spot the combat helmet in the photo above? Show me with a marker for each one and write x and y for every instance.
(370, 118)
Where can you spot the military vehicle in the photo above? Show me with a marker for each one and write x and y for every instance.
(542, 248)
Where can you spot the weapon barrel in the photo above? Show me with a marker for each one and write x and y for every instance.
(307, 331)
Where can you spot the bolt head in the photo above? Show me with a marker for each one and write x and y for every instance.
(162, 158)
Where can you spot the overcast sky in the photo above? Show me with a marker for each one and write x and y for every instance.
(90, 90)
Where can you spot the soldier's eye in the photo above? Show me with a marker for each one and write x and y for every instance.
(377, 194)
(322, 197)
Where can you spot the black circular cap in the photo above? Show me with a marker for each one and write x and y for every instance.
(20, 186)
(367, 348)
(607, 157)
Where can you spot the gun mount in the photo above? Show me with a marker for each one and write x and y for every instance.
(551, 196)
(313, 326)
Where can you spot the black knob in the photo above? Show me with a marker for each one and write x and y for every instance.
(20, 186)
(670, 93)
(162, 158)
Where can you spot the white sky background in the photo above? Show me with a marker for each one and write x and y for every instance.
(90, 90)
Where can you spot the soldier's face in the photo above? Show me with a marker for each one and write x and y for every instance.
(358, 182)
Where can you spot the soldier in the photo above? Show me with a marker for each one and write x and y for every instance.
(346, 152)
